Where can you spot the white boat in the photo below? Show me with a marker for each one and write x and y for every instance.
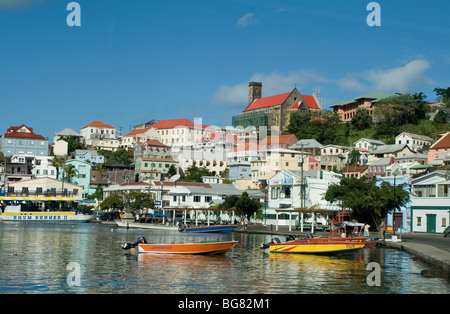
(36, 209)
(143, 225)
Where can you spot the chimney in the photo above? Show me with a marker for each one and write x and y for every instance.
(254, 91)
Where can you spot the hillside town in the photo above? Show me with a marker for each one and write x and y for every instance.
(259, 154)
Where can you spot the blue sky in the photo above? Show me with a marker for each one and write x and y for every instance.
(133, 61)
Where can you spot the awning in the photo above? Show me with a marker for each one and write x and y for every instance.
(37, 198)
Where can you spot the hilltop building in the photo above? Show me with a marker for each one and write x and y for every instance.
(273, 111)
(21, 140)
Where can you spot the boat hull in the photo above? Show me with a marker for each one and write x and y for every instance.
(211, 229)
(187, 248)
(315, 247)
(54, 217)
(369, 242)
(139, 225)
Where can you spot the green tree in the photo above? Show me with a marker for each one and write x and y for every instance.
(443, 95)
(120, 156)
(69, 172)
(58, 163)
(172, 171)
(354, 157)
(362, 119)
(369, 203)
(440, 117)
(229, 202)
(114, 201)
(140, 200)
(73, 143)
(247, 206)
(195, 174)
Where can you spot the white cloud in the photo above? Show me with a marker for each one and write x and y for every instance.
(246, 20)
(406, 79)
(273, 84)
(352, 84)
(20, 4)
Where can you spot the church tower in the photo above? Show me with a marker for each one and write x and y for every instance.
(254, 91)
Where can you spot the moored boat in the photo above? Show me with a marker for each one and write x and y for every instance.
(208, 229)
(142, 225)
(202, 247)
(37, 209)
(315, 245)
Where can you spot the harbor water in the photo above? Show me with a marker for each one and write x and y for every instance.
(88, 258)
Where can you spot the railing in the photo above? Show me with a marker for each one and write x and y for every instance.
(41, 193)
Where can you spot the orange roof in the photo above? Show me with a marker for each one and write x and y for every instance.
(247, 146)
(443, 142)
(280, 139)
(435, 104)
(173, 123)
(357, 169)
(311, 102)
(98, 124)
(267, 101)
(138, 131)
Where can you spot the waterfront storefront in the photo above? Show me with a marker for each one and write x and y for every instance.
(430, 202)
(284, 194)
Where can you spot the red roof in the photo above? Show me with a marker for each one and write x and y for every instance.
(155, 143)
(267, 101)
(98, 124)
(137, 131)
(169, 124)
(311, 102)
(357, 169)
(279, 139)
(247, 146)
(443, 142)
(14, 132)
(167, 183)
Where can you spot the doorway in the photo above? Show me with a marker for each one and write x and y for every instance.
(431, 223)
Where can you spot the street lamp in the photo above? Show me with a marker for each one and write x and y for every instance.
(395, 171)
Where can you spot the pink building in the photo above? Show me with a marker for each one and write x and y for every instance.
(440, 147)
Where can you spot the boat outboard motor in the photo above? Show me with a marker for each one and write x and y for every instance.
(128, 246)
(266, 245)
(290, 238)
(181, 226)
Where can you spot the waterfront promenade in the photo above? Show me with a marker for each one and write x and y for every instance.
(433, 249)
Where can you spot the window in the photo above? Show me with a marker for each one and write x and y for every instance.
(208, 199)
(197, 199)
(174, 198)
(287, 192)
(275, 192)
(444, 222)
(419, 221)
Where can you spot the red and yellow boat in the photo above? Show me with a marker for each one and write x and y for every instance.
(319, 245)
(202, 247)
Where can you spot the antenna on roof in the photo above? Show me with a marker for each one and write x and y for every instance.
(316, 94)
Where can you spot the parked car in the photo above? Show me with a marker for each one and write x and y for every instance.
(447, 231)
(110, 216)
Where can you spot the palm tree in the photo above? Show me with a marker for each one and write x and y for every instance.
(57, 162)
(69, 172)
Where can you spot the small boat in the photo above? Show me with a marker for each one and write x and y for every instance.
(202, 247)
(143, 225)
(208, 229)
(150, 221)
(314, 246)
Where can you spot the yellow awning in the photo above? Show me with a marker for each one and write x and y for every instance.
(37, 198)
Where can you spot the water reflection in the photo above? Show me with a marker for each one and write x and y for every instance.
(34, 259)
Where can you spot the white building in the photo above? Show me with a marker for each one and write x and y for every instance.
(284, 193)
(97, 130)
(414, 141)
(430, 202)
